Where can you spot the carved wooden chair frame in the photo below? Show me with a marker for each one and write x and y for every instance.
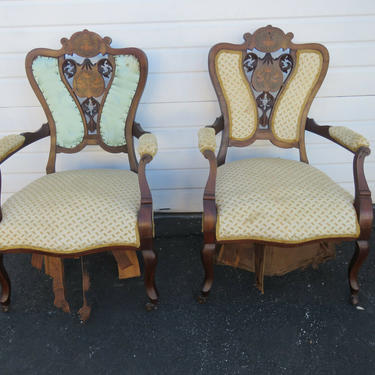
(88, 44)
(265, 39)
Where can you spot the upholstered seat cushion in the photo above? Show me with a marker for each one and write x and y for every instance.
(282, 201)
(73, 211)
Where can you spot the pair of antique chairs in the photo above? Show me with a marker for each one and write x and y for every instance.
(90, 92)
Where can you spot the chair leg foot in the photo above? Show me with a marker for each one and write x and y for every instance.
(360, 254)
(5, 286)
(207, 255)
(150, 306)
(150, 262)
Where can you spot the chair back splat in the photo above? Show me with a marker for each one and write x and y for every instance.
(89, 92)
(265, 88)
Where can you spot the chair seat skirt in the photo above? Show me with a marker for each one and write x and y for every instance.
(281, 201)
(73, 211)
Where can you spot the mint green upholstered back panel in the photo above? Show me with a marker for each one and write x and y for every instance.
(68, 121)
(119, 99)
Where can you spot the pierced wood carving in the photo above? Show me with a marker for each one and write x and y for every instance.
(86, 44)
(267, 63)
(89, 81)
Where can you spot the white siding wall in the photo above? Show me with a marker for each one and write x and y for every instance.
(179, 98)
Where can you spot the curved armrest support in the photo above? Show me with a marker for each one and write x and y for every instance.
(207, 146)
(348, 138)
(358, 145)
(340, 135)
(138, 131)
(10, 144)
(362, 200)
(145, 224)
(209, 204)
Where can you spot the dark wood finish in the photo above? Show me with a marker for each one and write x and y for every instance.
(360, 255)
(88, 44)
(362, 205)
(138, 131)
(150, 262)
(30, 137)
(267, 40)
(74, 46)
(208, 256)
(5, 286)
(85, 310)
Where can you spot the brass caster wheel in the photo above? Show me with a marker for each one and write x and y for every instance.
(202, 299)
(5, 308)
(150, 306)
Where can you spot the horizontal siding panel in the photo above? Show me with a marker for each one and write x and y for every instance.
(174, 159)
(190, 87)
(187, 138)
(166, 115)
(193, 34)
(179, 97)
(168, 60)
(16, 13)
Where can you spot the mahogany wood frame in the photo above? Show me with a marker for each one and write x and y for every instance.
(362, 202)
(90, 44)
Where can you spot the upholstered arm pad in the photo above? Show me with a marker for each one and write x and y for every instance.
(206, 139)
(348, 138)
(147, 145)
(9, 144)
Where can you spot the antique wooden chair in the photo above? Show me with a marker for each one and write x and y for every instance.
(265, 87)
(89, 92)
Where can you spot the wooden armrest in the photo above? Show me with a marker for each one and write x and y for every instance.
(362, 200)
(137, 130)
(15, 143)
(9, 145)
(340, 135)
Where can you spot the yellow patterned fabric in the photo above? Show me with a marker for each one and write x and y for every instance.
(147, 145)
(289, 107)
(281, 201)
(73, 211)
(242, 110)
(206, 139)
(10, 143)
(348, 137)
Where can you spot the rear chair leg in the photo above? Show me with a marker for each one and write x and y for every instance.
(361, 252)
(150, 262)
(5, 286)
(207, 254)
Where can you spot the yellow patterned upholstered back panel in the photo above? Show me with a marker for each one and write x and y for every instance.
(242, 110)
(290, 104)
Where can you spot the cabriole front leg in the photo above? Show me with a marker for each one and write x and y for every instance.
(360, 254)
(5, 286)
(207, 254)
(150, 262)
